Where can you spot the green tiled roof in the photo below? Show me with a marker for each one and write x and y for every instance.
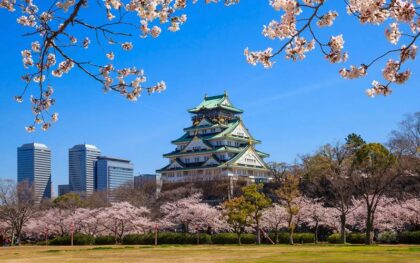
(223, 134)
(217, 125)
(219, 149)
(215, 102)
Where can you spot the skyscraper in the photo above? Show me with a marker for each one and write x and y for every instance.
(112, 173)
(34, 167)
(82, 160)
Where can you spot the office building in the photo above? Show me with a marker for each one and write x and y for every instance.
(34, 168)
(63, 189)
(82, 160)
(112, 173)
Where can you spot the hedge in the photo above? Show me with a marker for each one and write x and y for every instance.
(78, 240)
(388, 237)
(409, 237)
(232, 238)
(297, 238)
(352, 238)
(166, 238)
(105, 240)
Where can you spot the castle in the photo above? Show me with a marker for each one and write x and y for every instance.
(217, 144)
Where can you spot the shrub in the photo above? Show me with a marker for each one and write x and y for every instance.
(297, 238)
(224, 238)
(166, 238)
(334, 238)
(137, 239)
(78, 240)
(304, 238)
(248, 238)
(232, 238)
(352, 238)
(356, 238)
(105, 240)
(409, 237)
(388, 237)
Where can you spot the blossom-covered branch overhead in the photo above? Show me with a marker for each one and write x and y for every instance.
(296, 29)
(53, 25)
(52, 54)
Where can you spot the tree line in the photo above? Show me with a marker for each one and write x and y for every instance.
(354, 186)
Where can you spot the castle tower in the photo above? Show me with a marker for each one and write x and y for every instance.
(217, 144)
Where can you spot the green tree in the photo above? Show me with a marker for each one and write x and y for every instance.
(354, 142)
(237, 212)
(288, 194)
(374, 174)
(69, 201)
(256, 202)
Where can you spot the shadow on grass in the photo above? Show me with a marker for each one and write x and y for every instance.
(101, 248)
(52, 251)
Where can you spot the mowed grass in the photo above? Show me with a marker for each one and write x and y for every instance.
(212, 253)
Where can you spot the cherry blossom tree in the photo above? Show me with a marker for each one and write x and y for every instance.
(388, 215)
(193, 215)
(122, 218)
(300, 19)
(410, 211)
(17, 206)
(52, 53)
(274, 218)
(51, 221)
(314, 214)
(52, 26)
(87, 221)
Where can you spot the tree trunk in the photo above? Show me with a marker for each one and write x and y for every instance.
(343, 228)
(292, 230)
(12, 241)
(258, 236)
(277, 236)
(369, 227)
(316, 233)
(239, 239)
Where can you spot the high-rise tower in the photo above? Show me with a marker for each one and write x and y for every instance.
(82, 159)
(112, 173)
(34, 168)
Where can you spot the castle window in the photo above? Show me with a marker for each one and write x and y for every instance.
(197, 159)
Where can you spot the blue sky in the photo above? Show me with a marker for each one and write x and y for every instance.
(293, 108)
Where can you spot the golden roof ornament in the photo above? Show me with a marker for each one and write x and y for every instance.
(250, 142)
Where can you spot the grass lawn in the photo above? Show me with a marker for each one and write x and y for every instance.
(212, 253)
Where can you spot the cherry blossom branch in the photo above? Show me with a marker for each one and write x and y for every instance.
(45, 52)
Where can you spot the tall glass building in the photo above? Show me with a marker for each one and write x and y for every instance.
(82, 160)
(113, 173)
(34, 167)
